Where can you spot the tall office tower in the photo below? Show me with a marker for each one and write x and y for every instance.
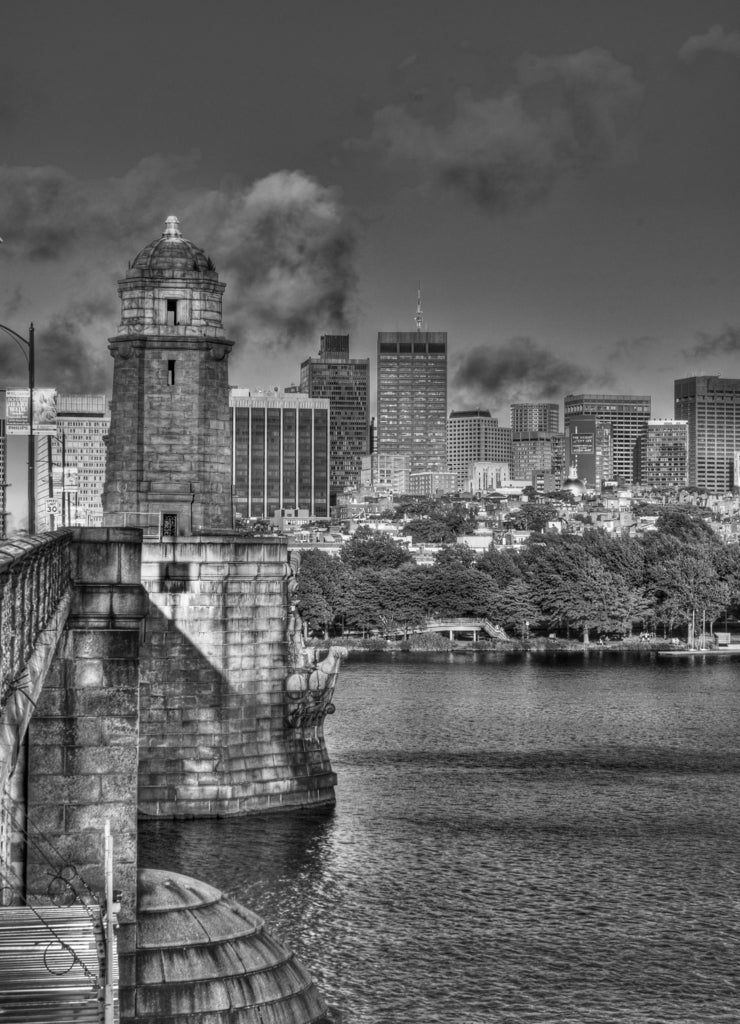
(475, 436)
(3, 481)
(712, 407)
(543, 417)
(77, 457)
(281, 453)
(412, 395)
(665, 461)
(627, 415)
(537, 451)
(588, 447)
(346, 383)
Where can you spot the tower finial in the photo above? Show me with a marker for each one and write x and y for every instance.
(419, 318)
(172, 228)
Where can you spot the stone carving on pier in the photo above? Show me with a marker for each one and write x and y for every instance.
(310, 684)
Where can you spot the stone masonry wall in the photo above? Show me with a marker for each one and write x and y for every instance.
(83, 737)
(214, 663)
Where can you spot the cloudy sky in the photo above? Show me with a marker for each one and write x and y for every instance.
(562, 176)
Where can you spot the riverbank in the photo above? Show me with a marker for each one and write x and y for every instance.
(430, 642)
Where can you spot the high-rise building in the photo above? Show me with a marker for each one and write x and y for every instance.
(281, 453)
(588, 448)
(543, 417)
(387, 474)
(412, 395)
(475, 436)
(536, 451)
(346, 383)
(711, 405)
(77, 456)
(665, 462)
(627, 415)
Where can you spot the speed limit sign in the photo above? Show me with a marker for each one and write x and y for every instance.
(52, 507)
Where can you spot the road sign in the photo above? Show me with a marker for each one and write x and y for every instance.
(52, 507)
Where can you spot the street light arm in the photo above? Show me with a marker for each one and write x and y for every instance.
(20, 341)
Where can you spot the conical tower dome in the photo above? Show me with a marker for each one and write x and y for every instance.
(171, 283)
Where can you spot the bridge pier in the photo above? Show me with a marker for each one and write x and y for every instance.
(83, 736)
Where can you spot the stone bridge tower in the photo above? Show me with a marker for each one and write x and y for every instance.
(169, 462)
(231, 704)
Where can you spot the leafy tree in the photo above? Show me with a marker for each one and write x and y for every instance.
(502, 566)
(321, 589)
(370, 549)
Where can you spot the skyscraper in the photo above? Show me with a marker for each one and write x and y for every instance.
(475, 436)
(627, 415)
(345, 383)
(588, 447)
(543, 417)
(78, 459)
(666, 459)
(412, 395)
(711, 405)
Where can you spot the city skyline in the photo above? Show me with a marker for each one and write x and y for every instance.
(560, 178)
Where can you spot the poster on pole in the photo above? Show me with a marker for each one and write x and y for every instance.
(44, 411)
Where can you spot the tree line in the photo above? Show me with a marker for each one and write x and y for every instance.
(573, 585)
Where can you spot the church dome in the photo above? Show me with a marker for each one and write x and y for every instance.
(171, 254)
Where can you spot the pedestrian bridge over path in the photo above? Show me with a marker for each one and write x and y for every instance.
(456, 628)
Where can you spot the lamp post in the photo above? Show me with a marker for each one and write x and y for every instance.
(26, 346)
(63, 442)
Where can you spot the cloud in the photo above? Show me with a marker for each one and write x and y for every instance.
(519, 371)
(727, 342)
(715, 40)
(286, 249)
(283, 245)
(564, 115)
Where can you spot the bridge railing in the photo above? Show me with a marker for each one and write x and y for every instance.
(35, 573)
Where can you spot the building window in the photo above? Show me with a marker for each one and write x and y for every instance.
(172, 320)
(169, 525)
(170, 372)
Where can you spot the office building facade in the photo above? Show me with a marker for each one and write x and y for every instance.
(711, 406)
(543, 417)
(345, 383)
(385, 474)
(280, 454)
(588, 449)
(78, 459)
(627, 415)
(534, 451)
(412, 397)
(665, 461)
(475, 436)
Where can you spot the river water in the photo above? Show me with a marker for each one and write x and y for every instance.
(516, 838)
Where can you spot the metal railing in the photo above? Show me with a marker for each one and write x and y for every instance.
(35, 574)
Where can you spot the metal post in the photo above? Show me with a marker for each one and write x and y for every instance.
(31, 445)
(109, 923)
(26, 346)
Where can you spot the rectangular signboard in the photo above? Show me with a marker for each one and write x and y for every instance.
(44, 411)
(581, 444)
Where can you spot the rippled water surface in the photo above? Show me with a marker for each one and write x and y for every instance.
(515, 839)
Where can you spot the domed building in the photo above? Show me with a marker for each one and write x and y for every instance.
(169, 464)
(573, 484)
(202, 958)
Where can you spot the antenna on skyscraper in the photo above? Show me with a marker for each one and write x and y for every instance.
(419, 318)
